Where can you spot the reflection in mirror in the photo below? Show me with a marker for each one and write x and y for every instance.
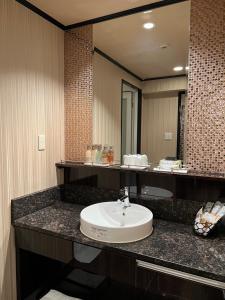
(130, 103)
(140, 82)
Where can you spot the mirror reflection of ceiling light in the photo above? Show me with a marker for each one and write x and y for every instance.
(178, 68)
(148, 25)
(186, 68)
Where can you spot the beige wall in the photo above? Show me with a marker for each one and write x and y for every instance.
(164, 85)
(107, 109)
(31, 102)
(159, 115)
(107, 102)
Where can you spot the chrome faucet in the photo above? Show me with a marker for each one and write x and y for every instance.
(124, 200)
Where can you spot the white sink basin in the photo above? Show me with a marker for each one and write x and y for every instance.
(105, 222)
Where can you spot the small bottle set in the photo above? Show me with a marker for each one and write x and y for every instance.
(98, 155)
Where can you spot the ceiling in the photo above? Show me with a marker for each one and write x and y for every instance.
(139, 50)
(124, 38)
(75, 11)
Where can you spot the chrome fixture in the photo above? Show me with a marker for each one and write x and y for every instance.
(124, 200)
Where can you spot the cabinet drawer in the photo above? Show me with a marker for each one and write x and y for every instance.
(160, 281)
(121, 268)
(45, 245)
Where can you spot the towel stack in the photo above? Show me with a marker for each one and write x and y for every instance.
(169, 165)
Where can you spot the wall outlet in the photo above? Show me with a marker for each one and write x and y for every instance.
(41, 142)
(168, 136)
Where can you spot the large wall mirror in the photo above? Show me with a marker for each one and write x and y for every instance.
(140, 82)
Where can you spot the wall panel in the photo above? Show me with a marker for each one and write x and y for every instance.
(107, 102)
(165, 85)
(31, 103)
(159, 116)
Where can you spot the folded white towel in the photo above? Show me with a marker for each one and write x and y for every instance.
(55, 295)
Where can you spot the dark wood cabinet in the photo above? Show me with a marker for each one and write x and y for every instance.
(121, 268)
(44, 244)
(45, 261)
(151, 284)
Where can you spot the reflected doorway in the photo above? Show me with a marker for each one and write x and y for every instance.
(130, 119)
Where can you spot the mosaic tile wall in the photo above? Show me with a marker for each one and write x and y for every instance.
(78, 92)
(205, 143)
(182, 121)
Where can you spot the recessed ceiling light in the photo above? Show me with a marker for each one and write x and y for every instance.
(147, 11)
(178, 68)
(149, 25)
(187, 68)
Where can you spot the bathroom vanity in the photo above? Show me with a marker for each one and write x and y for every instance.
(172, 263)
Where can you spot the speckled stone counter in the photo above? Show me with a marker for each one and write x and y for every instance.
(172, 244)
(26, 205)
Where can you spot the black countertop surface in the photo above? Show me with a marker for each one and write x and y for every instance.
(219, 176)
(172, 244)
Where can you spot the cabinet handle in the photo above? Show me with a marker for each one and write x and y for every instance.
(180, 274)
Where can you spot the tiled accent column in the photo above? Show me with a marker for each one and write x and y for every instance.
(205, 131)
(78, 92)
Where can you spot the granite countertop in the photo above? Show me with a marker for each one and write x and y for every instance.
(172, 244)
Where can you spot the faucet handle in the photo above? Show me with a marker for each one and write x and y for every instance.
(124, 191)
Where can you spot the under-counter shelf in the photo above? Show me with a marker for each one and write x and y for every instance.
(46, 262)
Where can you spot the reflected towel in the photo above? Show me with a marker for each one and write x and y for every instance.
(85, 254)
(55, 295)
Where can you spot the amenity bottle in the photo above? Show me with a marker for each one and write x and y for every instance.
(110, 155)
(88, 155)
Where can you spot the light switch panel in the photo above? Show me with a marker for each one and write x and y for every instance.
(41, 142)
(168, 136)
